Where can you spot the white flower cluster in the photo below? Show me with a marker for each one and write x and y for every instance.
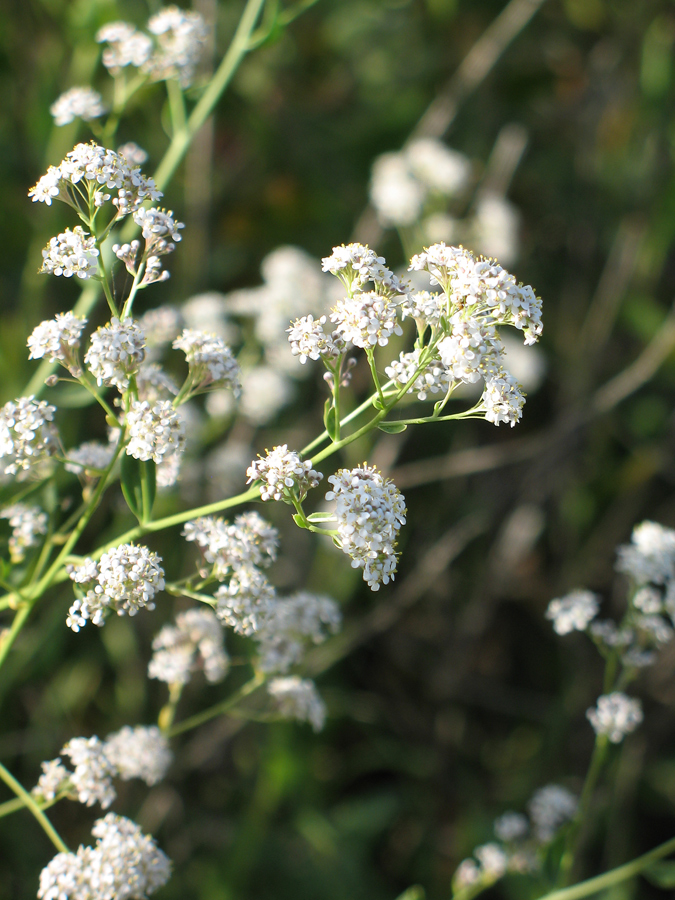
(370, 512)
(283, 473)
(481, 288)
(503, 399)
(90, 457)
(156, 431)
(426, 308)
(210, 360)
(573, 612)
(142, 752)
(298, 698)
(366, 319)
(175, 52)
(99, 170)
(27, 436)
(27, 523)
(650, 556)
(357, 264)
(237, 551)
(308, 340)
(156, 225)
(124, 864)
(116, 353)
(58, 340)
(194, 643)
(77, 103)
(550, 808)
(402, 182)
(153, 383)
(125, 579)
(433, 379)
(71, 253)
(290, 625)
(615, 715)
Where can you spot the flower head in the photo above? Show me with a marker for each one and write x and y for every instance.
(71, 253)
(58, 340)
(116, 352)
(615, 715)
(573, 612)
(155, 431)
(283, 473)
(194, 643)
(27, 523)
(142, 752)
(210, 360)
(27, 436)
(77, 103)
(298, 698)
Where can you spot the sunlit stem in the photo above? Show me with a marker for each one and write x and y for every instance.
(21, 792)
(220, 708)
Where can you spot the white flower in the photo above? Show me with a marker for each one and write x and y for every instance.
(549, 808)
(116, 352)
(356, 264)
(181, 37)
(154, 384)
(615, 715)
(58, 339)
(434, 378)
(155, 432)
(397, 196)
(27, 523)
(156, 225)
(126, 46)
(55, 778)
(142, 752)
(265, 390)
(91, 455)
(467, 874)
(93, 771)
(438, 167)
(425, 307)
(573, 612)
(648, 600)
(125, 579)
(194, 643)
(161, 325)
(650, 556)
(495, 228)
(605, 630)
(282, 473)
(471, 350)
(48, 187)
(27, 436)
(77, 103)
(366, 319)
(133, 154)
(71, 253)
(125, 864)
(493, 861)
(309, 341)
(249, 541)
(298, 698)
(511, 826)
(502, 399)
(210, 360)
(245, 602)
(370, 512)
(290, 624)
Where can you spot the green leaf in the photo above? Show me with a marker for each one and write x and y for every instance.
(138, 481)
(299, 521)
(377, 403)
(661, 874)
(392, 427)
(320, 517)
(330, 421)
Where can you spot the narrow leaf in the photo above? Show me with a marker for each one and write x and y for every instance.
(330, 421)
(661, 874)
(137, 478)
(392, 427)
(297, 518)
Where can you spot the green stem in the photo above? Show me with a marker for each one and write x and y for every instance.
(21, 792)
(572, 837)
(614, 876)
(373, 371)
(213, 711)
(106, 285)
(176, 106)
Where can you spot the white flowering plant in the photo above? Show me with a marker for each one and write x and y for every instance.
(417, 343)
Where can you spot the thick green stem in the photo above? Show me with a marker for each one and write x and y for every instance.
(21, 792)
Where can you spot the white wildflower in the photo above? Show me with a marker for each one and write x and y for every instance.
(77, 103)
(511, 826)
(291, 623)
(210, 360)
(309, 341)
(154, 384)
(93, 771)
(298, 698)
(573, 612)
(27, 436)
(370, 512)
(124, 864)
(245, 601)
(502, 399)
(142, 752)
(55, 779)
(356, 264)
(89, 458)
(48, 187)
(193, 644)
(161, 325)
(283, 474)
(126, 46)
(264, 392)
(471, 350)
(438, 167)
(366, 319)
(434, 378)
(155, 431)
(650, 556)
(249, 541)
(549, 808)
(615, 715)
(58, 340)
(71, 253)
(157, 225)
(606, 631)
(493, 861)
(181, 38)
(426, 308)
(116, 352)
(648, 600)
(133, 154)
(468, 873)
(27, 524)
(397, 196)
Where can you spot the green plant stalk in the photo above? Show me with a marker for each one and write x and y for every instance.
(219, 708)
(21, 792)
(614, 876)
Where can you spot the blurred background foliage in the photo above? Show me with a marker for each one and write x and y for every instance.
(450, 698)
